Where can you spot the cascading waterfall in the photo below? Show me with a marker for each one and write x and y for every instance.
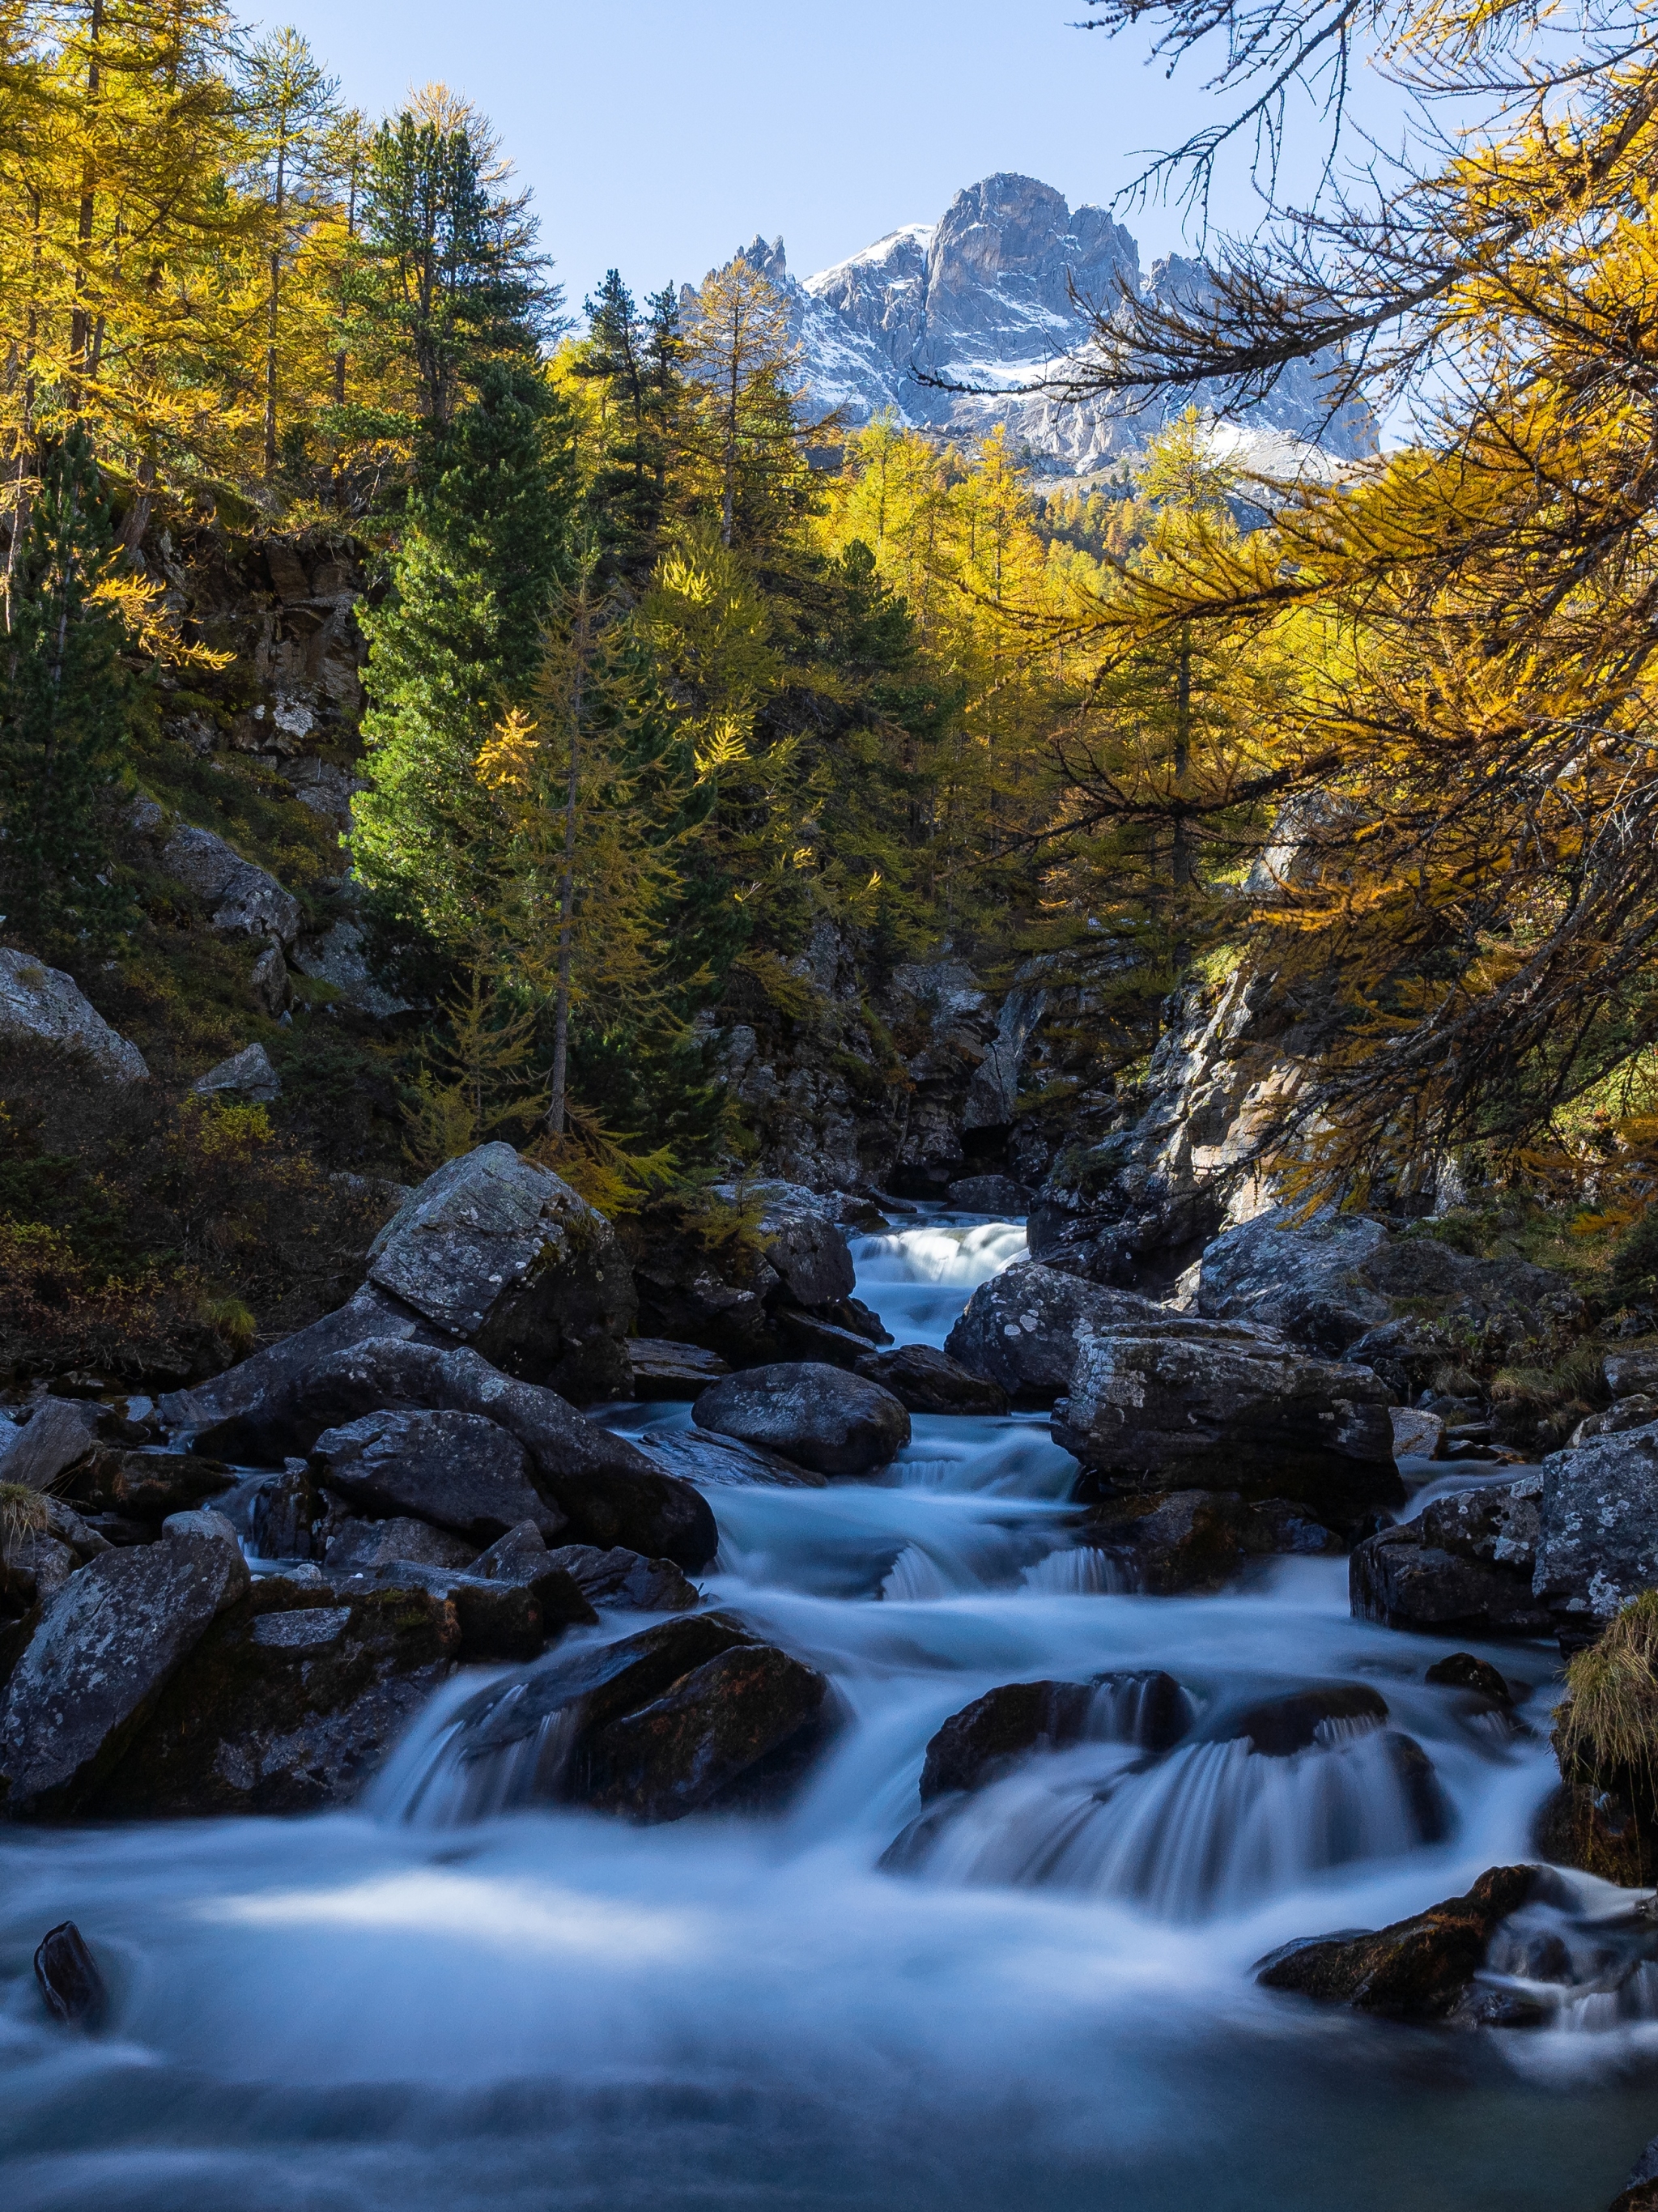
(465, 1995)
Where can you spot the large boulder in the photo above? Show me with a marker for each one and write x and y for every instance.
(930, 1382)
(820, 1417)
(1020, 1328)
(1172, 1402)
(37, 1001)
(459, 1470)
(59, 1434)
(1418, 1969)
(804, 1243)
(287, 1703)
(648, 1726)
(242, 900)
(608, 1491)
(1598, 1544)
(1463, 1567)
(503, 1256)
(242, 1412)
(106, 1648)
(782, 1284)
(712, 1727)
(1169, 1541)
(1339, 1278)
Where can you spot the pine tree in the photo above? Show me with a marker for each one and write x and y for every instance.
(456, 644)
(633, 359)
(446, 269)
(67, 709)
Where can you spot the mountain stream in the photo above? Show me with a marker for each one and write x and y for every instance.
(1048, 2009)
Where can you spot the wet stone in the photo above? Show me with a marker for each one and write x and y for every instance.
(1415, 1968)
(1462, 1671)
(1279, 1727)
(68, 1977)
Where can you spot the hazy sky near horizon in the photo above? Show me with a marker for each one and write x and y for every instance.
(660, 135)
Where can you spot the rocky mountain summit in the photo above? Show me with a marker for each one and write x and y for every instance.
(987, 296)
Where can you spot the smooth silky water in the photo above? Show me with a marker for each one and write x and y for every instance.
(1053, 2008)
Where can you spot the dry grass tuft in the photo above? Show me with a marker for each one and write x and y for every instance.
(22, 1512)
(1609, 1723)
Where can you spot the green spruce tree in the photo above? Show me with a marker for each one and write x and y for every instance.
(67, 704)
(457, 644)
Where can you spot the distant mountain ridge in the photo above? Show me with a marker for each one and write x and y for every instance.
(982, 297)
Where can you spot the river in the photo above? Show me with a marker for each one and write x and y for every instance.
(1052, 2011)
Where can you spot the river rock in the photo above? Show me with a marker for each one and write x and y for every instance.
(498, 1620)
(288, 1705)
(662, 1368)
(1598, 1544)
(1171, 1401)
(1278, 1727)
(930, 1381)
(1463, 1567)
(617, 1578)
(621, 1580)
(459, 1470)
(241, 899)
(698, 1456)
(37, 1001)
(804, 1244)
(711, 1728)
(565, 1703)
(1021, 1329)
(1417, 1434)
(503, 1256)
(361, 1547)
(977, 1744)
(1415, 1968)
(103, 1654)
(66, 1974)
(284, 1515)
(820, 1417)
(1463, 1671)
(1327, 1282)
(1171, 1541)
(609, 1492)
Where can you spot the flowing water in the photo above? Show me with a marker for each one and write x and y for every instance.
(1047, 2004)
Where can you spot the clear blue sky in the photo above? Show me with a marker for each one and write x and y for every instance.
(659, 135)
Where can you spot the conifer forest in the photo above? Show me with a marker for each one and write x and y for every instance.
(827, 1252)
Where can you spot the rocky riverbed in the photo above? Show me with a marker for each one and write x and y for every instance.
(795, 1789)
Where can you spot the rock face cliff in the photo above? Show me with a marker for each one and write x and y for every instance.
(984, 297)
